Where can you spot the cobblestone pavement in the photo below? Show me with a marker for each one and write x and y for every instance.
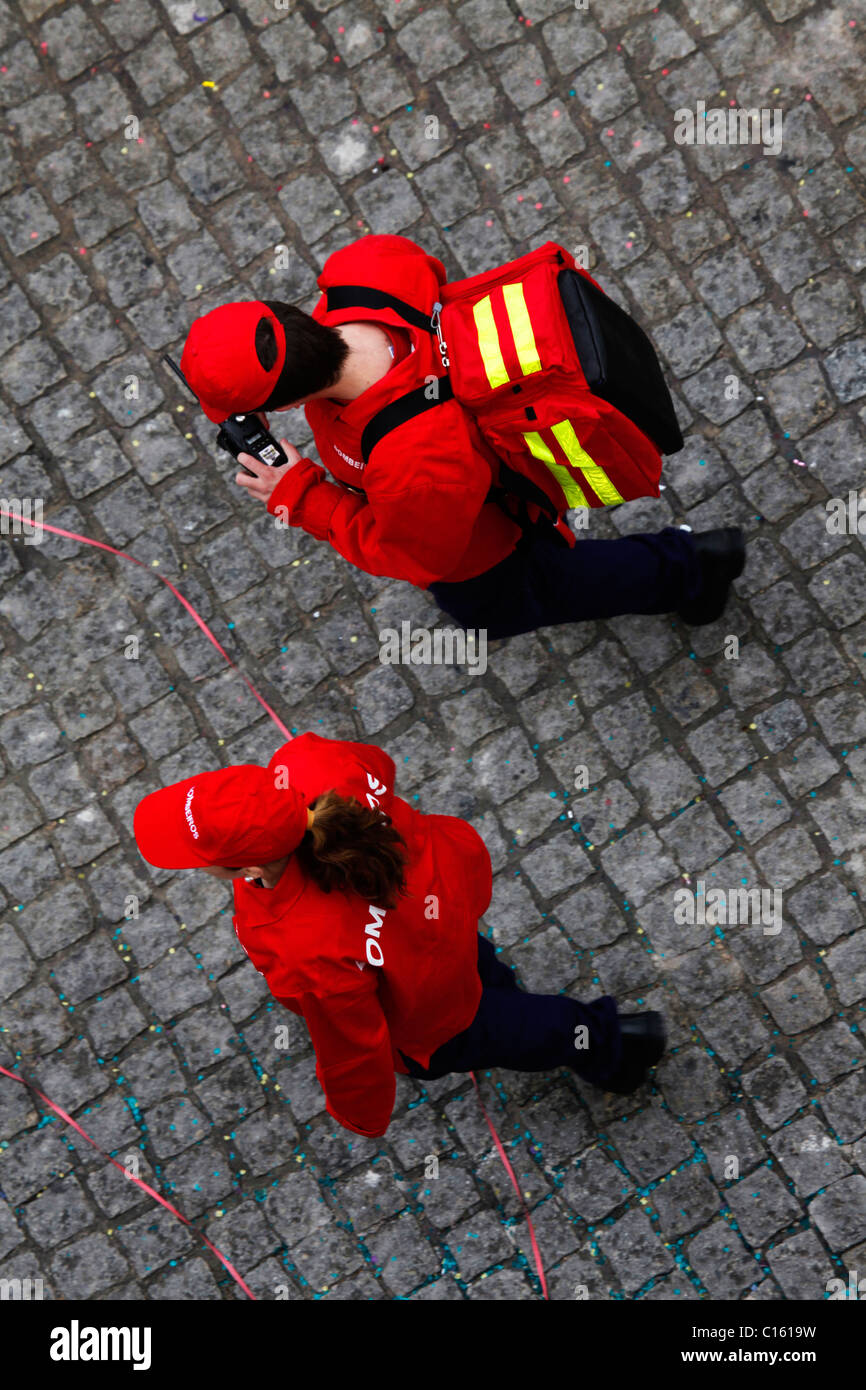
(158, 159)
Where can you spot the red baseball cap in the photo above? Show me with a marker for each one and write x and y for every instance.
(221, 363)
(231, 818)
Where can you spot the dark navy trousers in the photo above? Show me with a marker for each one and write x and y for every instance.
(528, 1032)
(544, 581)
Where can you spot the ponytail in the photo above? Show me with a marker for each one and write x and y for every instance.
(352, 848)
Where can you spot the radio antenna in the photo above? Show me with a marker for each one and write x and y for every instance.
(170, 362)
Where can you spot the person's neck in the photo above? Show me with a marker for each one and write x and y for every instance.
(364, 364)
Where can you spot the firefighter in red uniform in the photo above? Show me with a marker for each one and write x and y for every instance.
(362, 915)
(417, 489)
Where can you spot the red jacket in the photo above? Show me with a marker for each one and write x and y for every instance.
(369, 982)
(425, 516)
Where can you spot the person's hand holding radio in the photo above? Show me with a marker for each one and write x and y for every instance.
(266, 477)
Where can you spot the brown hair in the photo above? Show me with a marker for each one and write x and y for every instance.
(353, 848)
(315, 353)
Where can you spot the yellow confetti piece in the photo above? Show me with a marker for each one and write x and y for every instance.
(209, 84)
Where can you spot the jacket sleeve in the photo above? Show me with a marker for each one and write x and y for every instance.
(424, 508)
(354, 1060)
(382, 260)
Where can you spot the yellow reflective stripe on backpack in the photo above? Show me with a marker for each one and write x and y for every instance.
(521, 328)
(573, 494)
(564, 434)
(488, 343)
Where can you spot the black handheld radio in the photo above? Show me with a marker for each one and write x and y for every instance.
(240, 434)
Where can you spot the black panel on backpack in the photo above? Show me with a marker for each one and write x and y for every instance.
(619, 361)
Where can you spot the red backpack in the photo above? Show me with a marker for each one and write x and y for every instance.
(564, 385)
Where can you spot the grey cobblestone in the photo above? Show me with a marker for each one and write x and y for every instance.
(123, 989)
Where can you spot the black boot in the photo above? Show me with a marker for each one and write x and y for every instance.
(643, 1043)
(722, 555)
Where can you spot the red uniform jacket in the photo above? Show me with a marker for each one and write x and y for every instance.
(425, 516)
(367, 981)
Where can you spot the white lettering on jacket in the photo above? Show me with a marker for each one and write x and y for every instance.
(355, 463)
(376, 786)
(188, 813)
(374, 950)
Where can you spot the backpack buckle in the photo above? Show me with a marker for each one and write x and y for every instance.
(435, 324)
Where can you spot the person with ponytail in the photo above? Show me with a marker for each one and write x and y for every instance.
(362, 914)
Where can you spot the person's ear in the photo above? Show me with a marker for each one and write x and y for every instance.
(255, 872)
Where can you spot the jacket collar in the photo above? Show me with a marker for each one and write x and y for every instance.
(256, 907)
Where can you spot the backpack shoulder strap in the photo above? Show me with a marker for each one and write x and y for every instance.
(414, 402)
(363, 297)
(404, 408)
